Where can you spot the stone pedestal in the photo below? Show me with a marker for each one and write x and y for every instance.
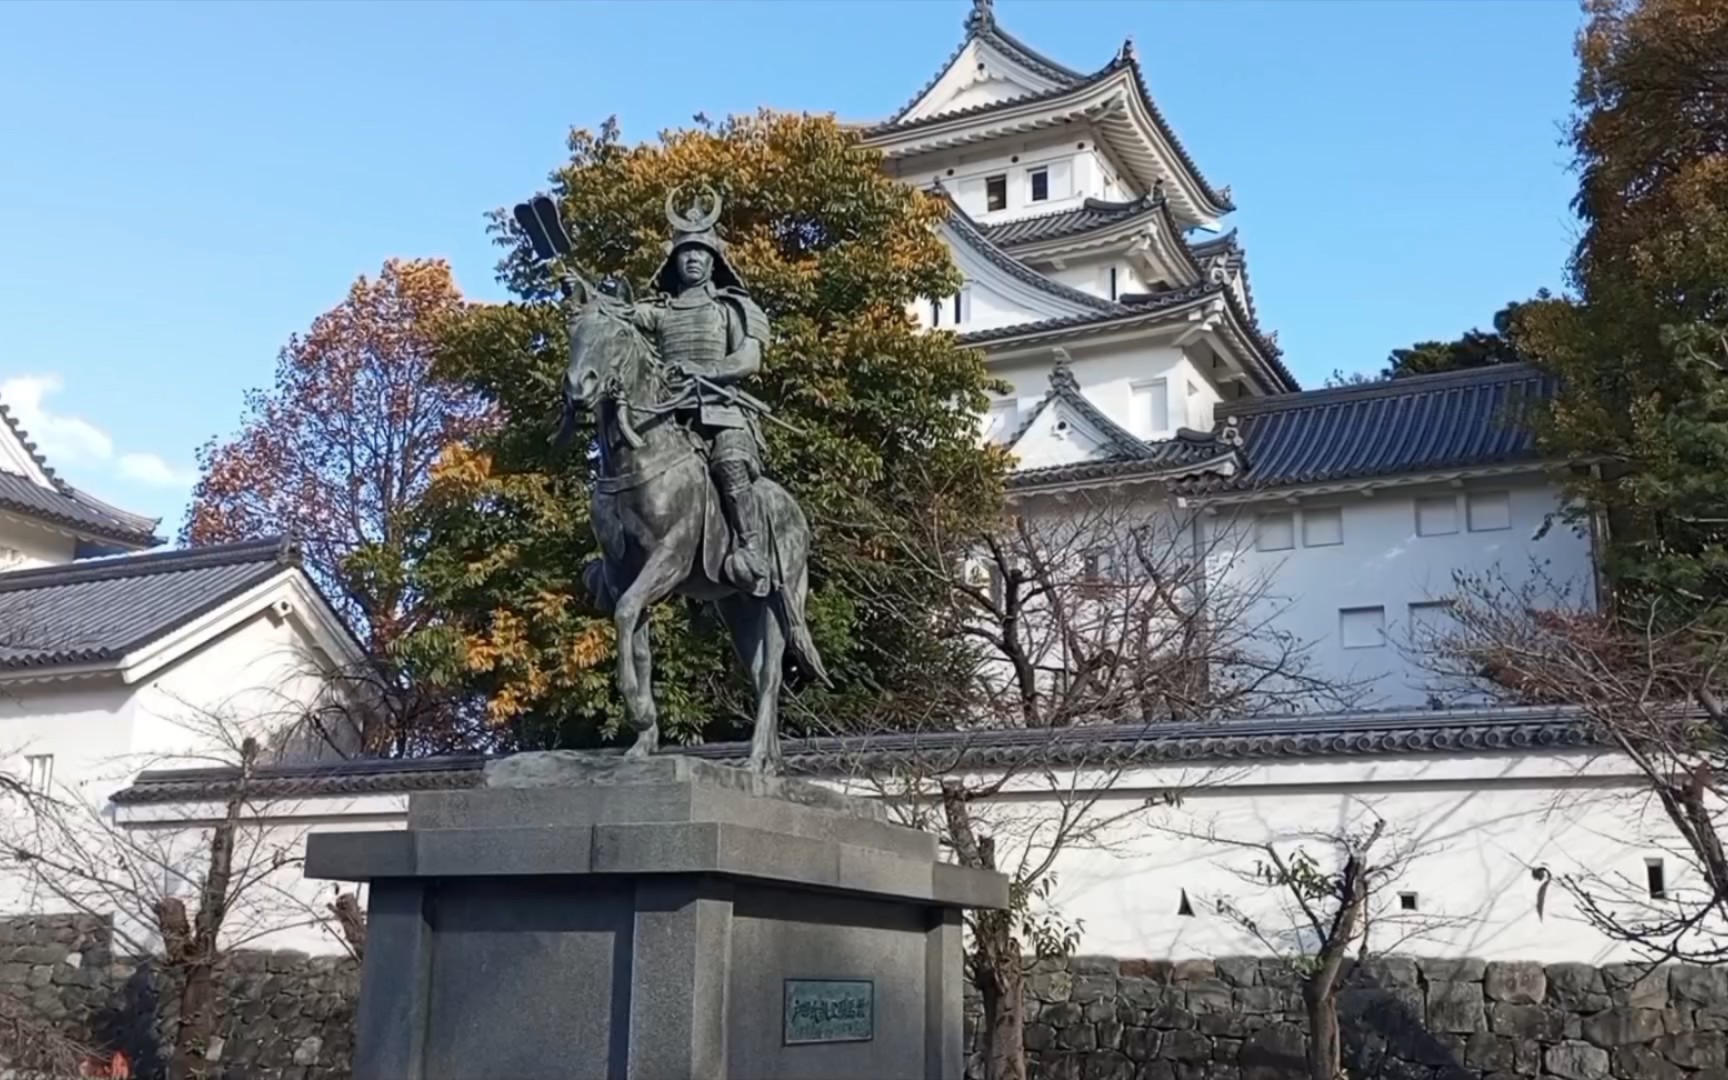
(584, 916)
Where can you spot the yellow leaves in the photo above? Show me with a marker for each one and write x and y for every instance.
(462, 466)
(589, 649)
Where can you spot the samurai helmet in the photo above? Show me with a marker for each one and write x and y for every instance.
(695, 226)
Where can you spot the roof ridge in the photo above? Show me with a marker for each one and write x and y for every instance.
(30, 448)
(1380, 388)
(270, 549)
(981, 25)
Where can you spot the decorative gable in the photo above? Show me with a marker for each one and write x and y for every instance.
(978, 75)
(1061, 435)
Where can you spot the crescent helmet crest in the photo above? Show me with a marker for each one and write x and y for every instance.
(696, 219)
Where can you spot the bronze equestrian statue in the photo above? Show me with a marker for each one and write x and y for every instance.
(680, 504)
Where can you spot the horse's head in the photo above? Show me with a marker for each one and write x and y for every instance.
(605, 355)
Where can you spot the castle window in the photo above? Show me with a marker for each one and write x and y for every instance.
(1151, 403)
(1040, 184)
(1362, 627)
(1322, 526)
(1656, 879)
(935, 312)
(1274, 532)
(1437, 516)
(996, 192)
(1488, 510)
(1112, 283)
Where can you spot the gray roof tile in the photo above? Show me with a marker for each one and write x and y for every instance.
(1424, 423)
(100, 609)
(1089, 216)
(63, 504)
(75, 511)
(1360, 734)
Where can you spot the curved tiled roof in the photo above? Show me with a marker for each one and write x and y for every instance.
(970, 234)
(1090, 216)
(1188, 451)
(1339, 735)
(981, 26)
(1424, 423)
(75, 512)
(1067, 81)
(99, 610)
(64, 505)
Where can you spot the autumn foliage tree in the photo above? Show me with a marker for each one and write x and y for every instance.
(835, 252)
(344, 442)
(1642, 351)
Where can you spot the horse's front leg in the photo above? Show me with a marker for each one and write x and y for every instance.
(653, 582)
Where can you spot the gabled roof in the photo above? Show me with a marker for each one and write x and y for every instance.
(1426, 423)
(1187, 454)
(1388, 733)
(1130, 118)
(1458, 420)
(1064, 389)
(62, 506)
(981, 28)
(100, 610)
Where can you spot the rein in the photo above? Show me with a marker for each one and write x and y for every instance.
(614, 393)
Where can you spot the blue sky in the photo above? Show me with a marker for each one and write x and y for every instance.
(184, 185)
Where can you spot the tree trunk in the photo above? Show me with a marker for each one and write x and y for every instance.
(1001, 979)
(193, 950)
(1325, 1048)
(997, 967)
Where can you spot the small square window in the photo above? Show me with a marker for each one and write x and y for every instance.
(1322, 526)
(1437, 516)
(1040, 183)
(41, 772)
(1430, 622)
(1362, 627)
(1407, 901)
(1098, 566)
(1274, 532)
(1489, 510)
(1656, 878)
(996, 192)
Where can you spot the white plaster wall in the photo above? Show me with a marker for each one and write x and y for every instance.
(1475, 829)
(1093, 276)
(1091, 175)
(1117, 379)
(257, 678)
(24, 545)
(1383, 562)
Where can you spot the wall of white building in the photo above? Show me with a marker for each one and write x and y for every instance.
(1359, 578)
(1078, 169)
(25, 544)
(1474, 829)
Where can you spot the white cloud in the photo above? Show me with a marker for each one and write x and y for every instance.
(67, 439)
(69, 442)
(151, 469)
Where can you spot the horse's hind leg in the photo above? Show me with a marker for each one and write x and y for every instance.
(642, 652)
(761, 646)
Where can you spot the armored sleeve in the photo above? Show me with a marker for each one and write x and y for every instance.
(746, 320)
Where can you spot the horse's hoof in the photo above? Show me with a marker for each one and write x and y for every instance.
(646, 743)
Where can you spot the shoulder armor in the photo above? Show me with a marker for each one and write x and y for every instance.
(755, 319)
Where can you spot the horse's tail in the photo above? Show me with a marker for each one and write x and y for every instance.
(790, 600)
(792, 571)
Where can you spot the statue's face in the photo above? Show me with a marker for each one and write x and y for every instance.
(695, 264)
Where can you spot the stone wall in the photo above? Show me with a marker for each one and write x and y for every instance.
(1097, 1018)
(287, 1017)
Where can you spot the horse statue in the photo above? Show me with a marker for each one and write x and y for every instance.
(665, 456)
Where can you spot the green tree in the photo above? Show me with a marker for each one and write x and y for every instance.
(1504, 344)
(835, 251)
(1641, 350)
